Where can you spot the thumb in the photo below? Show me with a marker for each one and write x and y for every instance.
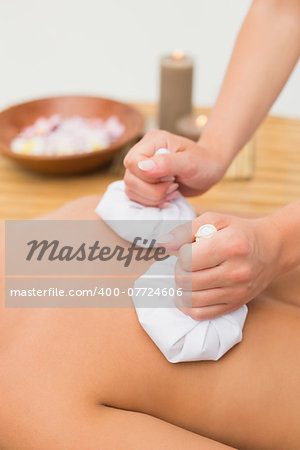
(185, 234)
(158, 166)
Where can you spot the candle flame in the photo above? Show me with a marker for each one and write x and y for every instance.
(178, 54)
(201, 120)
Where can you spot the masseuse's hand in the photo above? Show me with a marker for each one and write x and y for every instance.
(148, 178)
(220, 274)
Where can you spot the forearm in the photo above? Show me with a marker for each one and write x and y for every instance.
(287, 223)
(265, 53)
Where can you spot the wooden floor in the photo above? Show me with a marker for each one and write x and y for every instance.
(276, 180)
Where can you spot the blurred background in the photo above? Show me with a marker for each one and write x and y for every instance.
(112, 48)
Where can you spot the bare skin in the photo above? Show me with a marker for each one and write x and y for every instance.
(92, 378)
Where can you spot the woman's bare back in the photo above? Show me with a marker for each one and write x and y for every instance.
(92, 378)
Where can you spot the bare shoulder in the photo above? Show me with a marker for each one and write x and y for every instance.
(82, 208)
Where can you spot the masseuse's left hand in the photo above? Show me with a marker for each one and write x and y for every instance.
(220, 274)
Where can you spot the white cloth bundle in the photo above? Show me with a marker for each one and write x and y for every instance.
(179, 337)
(115, 208)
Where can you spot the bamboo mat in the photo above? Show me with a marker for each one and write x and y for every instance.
(243, 165)
(275, 179)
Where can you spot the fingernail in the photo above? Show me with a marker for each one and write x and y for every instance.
(146, 165)
(167, 178)
(165, 205)
(165, 238)
(172, 196)
(172, 188)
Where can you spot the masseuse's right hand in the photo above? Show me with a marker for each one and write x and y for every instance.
(190, 168)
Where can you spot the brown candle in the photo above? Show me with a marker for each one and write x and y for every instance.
(191, 126)
(175, 89)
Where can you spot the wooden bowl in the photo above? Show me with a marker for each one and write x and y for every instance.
(13, 119)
